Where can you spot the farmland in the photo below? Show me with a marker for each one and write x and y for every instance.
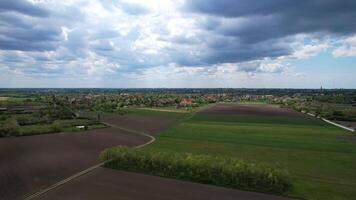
(106, 183)
(177, 100)
(39, 161)
(320, 158)
(35, 162)
(200, 137)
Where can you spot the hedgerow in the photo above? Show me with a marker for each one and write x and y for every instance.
(221, 171)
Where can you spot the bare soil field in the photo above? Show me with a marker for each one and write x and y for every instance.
(150, 125)
(30, 163)
(245, 109)
(111, 184)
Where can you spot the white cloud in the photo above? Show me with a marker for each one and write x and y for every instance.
(152, 40)
(347, 48)
(309, 50)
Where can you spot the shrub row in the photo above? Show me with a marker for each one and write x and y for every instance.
(11, 128)
(38, 129)
(227, 172)
(75, 122)
(8, 127)
(24, 120)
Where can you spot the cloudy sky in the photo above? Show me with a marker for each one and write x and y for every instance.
(178, 43)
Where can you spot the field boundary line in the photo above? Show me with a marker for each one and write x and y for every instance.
(90, 169)
(330, 122)
(152, 139)
(62, 182)
(193, 113)
(164, 110)
(81, 173)
(338, 125)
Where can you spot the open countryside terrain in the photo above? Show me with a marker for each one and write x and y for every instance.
(35, 162)
(109, 184)
(320, 158)
(177, 99)
(104, 183)
(150, 123)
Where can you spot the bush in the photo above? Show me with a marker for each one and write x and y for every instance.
(4, 117)
(38, 129)
(205, 169)
(54, 112)
(9, 127)
(23, 120)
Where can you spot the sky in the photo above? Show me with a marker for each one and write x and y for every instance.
(178, 43)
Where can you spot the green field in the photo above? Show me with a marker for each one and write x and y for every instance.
(4, 98)
(15, 99)
(320, 158)
(172, 114)
(174, 110)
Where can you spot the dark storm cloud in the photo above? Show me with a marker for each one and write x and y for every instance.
(210, 48)
(10, 19)
(238, 8)
(11, 44)
(230, 50)
(83, 34)
(24, 7)
(242, 30)
(33, 38)
(29, 32)
(33, 34)
(281, 17)
(242, 53)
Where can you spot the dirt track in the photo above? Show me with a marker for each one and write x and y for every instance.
(112, 184)
(242, 109)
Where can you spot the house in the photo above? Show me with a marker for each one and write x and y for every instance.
(80, 127)
(186, 102)
(269, 97)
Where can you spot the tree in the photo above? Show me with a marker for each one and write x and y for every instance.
(27, 120)
(9, 127)
(318, 110)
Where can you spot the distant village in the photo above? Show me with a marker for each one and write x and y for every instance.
(319, 102)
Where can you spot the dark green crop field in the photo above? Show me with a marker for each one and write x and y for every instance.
(320, 158)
